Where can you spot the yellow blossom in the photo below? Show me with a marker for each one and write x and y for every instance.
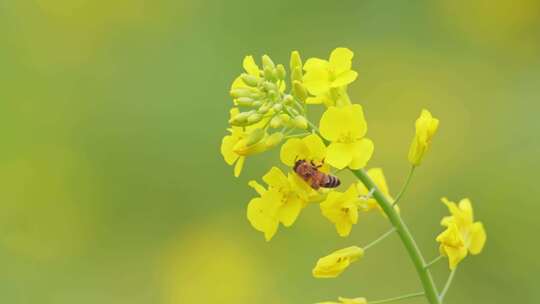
(345, 127)
(342, 209)
(327, 79)
(282, 202)
(347, 301)
(426, 126)
(335, 263)
(462, 234)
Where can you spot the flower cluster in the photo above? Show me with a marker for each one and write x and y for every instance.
(270, 109)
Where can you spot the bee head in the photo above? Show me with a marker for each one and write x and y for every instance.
(297, 163)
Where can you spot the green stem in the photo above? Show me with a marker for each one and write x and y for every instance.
(403, 297)
(406, 237)
(447, 285)
(405, 186)
(435, 260)
(382, 237)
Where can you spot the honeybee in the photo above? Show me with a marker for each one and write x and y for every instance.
(309, 172)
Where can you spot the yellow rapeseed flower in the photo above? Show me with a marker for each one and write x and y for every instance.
(326, 79)
(282, 202)
(426, 126)
(342, 209)
(335, 263)
(345, 127)
(462, 234)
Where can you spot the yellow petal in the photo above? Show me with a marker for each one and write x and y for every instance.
(343, 228)
(317, 81)
(227, 145)
(341, 59)
(257, 187)
(339, 155)
(238, 83)
(288, 213)
(362, 152)
(293, 150)
(478, 238)
(316, 100)
(250, 66)
(358, 125)
(343, 123)
(455, 255)
(344, 79)
(316, 147)
(275, 178)
(239, 165)
(260, 220)
(466, 207)
(332, 123)
(316, 64)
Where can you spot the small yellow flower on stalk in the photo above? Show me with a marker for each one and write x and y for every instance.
(346, 127)
(342, 209)
(426, 126)
(282, 202)
(328, 79)
(462, 234)
(243, 142)
(347, 301)
(335, 263)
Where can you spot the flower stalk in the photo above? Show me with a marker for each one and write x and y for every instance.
(406, 238)
(403, 297)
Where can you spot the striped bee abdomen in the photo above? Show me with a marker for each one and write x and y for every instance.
(331, 182)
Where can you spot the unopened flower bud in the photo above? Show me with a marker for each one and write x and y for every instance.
(270, 86)
(288, 99)
(273, 95)
(253, 118)
(267, 62)
(299, 91)
(269, 74)
(300, 122)
(281, 72)
(244, 101)
(240, 92)
(253, 143)
(250, 80)
(264, 109)
(276, 122)
(278, 107)
(296, 61)
(254, 137)
(240, 119)
(285, 118)
(297, 74)
(273, 139)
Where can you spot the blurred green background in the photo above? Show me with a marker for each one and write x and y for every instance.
(112, 188)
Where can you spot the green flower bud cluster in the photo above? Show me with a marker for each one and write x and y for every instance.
(265, 98)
